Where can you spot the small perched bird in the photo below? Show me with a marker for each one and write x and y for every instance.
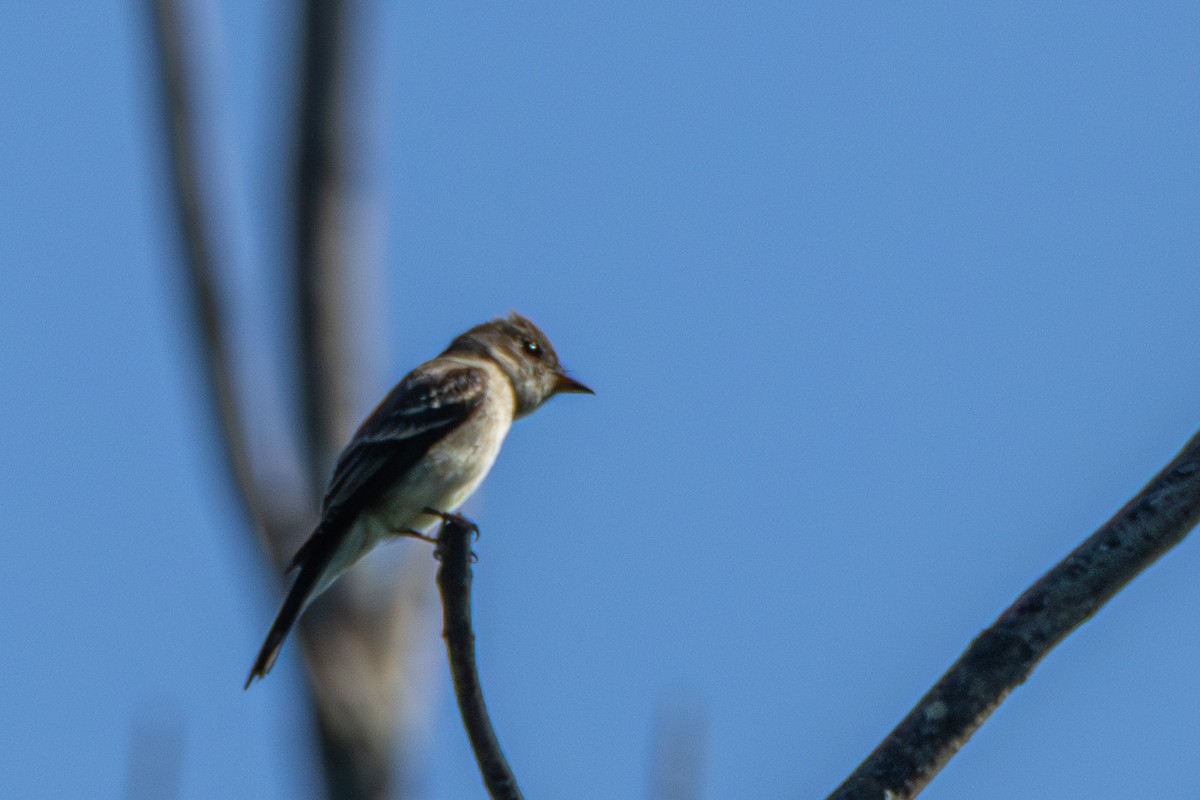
(426, 448)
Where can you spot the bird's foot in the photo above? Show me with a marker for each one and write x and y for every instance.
(454, 518)
(448, 519)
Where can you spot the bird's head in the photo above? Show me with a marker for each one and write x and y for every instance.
(525, 355)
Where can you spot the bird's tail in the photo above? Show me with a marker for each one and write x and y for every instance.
(304, 589)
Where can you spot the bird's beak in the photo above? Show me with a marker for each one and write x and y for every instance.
(565, 384)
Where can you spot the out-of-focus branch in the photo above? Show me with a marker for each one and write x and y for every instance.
(454, 582)
(156, 754)
(322, 225)
(1004, 655)
(677, 766)
(197, 228)
(355, 637)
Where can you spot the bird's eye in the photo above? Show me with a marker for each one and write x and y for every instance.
(533, 348)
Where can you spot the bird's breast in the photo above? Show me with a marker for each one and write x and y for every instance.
(454, 467)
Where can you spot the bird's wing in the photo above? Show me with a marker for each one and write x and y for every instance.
(422, 409)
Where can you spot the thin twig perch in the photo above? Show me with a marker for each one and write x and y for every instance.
(454, 582)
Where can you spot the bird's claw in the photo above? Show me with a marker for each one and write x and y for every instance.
(448, 517)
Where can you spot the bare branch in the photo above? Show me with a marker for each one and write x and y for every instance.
(326, 357)
(454, 582)
(198, 229)
(356, 637)
(1004, 655)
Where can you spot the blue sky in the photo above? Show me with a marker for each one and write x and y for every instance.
(887, 306)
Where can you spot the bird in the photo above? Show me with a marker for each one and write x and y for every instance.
(420, 454)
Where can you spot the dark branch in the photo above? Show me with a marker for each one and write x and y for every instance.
(354, 635)
(321, 219)
(1004, 655)
(454, 582)
(197, 227)
(355, 641)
